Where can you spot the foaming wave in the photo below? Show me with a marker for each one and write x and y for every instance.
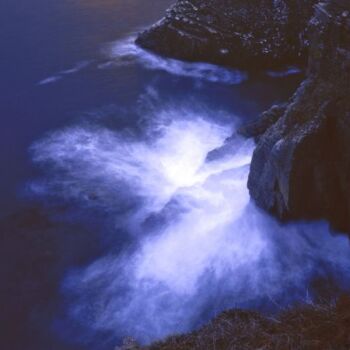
(126, 52)
(209, 248)
(155, 168)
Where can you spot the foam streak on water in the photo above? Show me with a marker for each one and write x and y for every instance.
(284, 73)
(60, 75)
(126, 52)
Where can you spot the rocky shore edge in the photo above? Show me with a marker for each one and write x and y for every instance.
(301, 164)
(254, 34)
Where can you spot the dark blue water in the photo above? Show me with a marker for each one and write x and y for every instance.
(114, 221)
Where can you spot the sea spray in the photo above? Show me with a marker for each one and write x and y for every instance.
(201, 245)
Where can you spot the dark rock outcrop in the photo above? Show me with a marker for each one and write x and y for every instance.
(253, 34)
(301, 166)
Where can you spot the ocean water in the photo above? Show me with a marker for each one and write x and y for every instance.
(124, 210)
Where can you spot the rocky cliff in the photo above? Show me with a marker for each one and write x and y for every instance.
(301, 165)
(240, 33)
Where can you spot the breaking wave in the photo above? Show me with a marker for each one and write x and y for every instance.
(202, 246)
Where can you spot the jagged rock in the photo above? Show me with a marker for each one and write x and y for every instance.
(301, 165)
(266, 120)
(253, 34)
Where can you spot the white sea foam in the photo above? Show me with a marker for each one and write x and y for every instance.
(78, 67)
(214, 250)
(59, 75)
(50, 80)
(126, 52)
(284, 73)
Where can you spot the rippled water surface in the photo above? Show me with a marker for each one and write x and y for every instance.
(124, 210)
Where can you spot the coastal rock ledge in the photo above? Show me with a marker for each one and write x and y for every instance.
(254, 34)
(301, 165)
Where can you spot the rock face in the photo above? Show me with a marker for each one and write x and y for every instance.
(253, 34)
(301, 165)
(266, 120)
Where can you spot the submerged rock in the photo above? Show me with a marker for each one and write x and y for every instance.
(254, 34)
(301, 165)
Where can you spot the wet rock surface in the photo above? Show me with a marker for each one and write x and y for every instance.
(301, 166)
(252, 34)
